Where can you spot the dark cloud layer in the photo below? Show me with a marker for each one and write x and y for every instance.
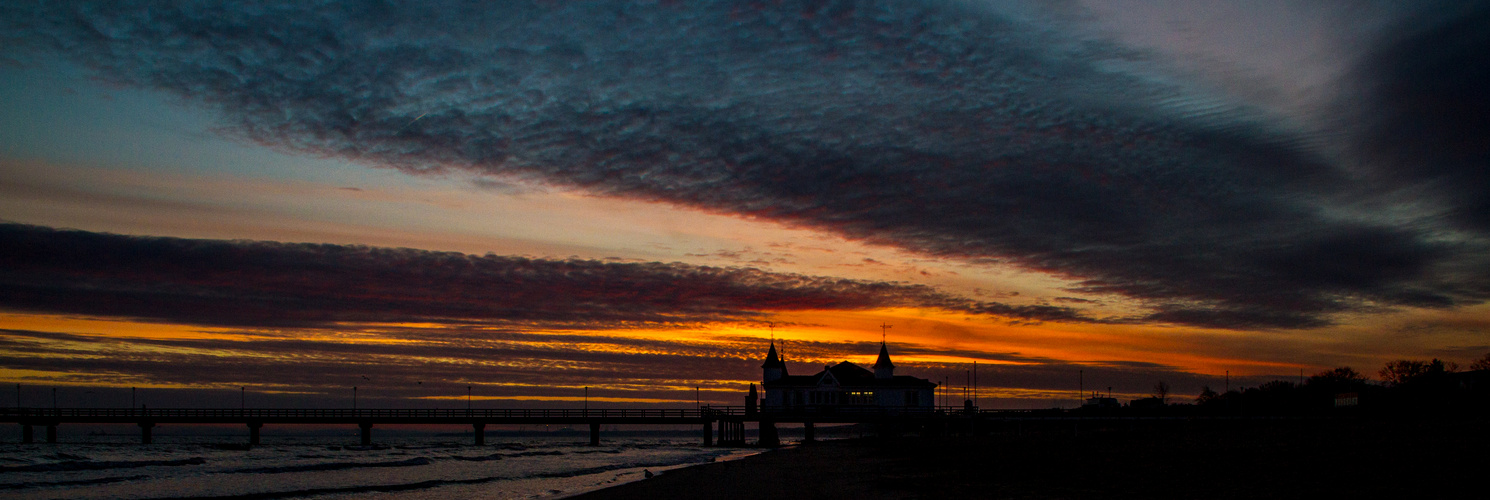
(1428, 119)
(270, 283)
(940, 127)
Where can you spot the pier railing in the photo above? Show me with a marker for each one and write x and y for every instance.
(348, 413)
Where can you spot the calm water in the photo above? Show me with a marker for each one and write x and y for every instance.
(397, 467)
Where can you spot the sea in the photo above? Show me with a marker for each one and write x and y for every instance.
(408, 465)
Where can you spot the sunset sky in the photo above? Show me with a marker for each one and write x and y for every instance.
(278, 201)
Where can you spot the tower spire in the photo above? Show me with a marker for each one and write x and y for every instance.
(773, 368)
(883, 368)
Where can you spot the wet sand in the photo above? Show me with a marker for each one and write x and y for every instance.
(1270, 460)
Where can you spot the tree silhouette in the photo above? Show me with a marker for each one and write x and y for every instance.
(1161, 391)
(1482, 363)
(1344, 376)
(1403, 371)
(1207, 396)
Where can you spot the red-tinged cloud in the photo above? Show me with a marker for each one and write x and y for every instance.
(260, 283)
(506, 364)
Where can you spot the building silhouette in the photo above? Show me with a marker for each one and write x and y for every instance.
(843, 385)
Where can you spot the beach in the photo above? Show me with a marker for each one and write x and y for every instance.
(1369, 459)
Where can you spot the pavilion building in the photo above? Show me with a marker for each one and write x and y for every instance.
(843, 385)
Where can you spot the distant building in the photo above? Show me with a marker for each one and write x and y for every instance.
(843, 385)
(1099, 402)
(1146, 403)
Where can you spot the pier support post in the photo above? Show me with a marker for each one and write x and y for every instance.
(722, 436)
(145, 430)
(28, 436)
(52, 433)
(594, 434)
(253, 433)
(809, 433)
(708, 434)
(366, 433)
(768, 435)
(480, 434)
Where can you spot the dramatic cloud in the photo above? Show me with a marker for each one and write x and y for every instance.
(947, 128)
(1428, 122)
(511, 366)
(284, 284)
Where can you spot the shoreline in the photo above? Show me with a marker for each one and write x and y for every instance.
(1343, 459)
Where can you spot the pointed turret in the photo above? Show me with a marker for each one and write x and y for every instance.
(773, 368)
(883, 368)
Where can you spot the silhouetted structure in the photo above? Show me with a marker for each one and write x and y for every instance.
(843, 385)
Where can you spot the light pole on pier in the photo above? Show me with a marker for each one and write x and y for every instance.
(587, 400)
(468, 399)
(354, 398)
(243, 397)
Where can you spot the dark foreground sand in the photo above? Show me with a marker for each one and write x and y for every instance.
(1377, 459)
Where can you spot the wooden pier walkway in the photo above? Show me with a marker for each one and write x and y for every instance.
(724, 425)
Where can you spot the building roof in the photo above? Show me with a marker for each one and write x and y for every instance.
(772, 360)
(847, 374)
(884, 359)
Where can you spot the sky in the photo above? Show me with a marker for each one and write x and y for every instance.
(624, 202)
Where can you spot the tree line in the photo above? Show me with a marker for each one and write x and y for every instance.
(1403, 386)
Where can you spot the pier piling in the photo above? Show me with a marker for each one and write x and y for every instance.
(253, 433)
(594, 434)
(366, 433)
(480, 434)
(145, 429)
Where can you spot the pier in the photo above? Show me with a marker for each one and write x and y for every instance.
(718, 425)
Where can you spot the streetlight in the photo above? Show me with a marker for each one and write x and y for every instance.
(354, 398)
(587, 400)
(468, 399)
(243, 397)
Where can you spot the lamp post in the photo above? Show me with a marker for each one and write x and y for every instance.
(468, 399)
(587, 400)
(354, 398)
(243, 397)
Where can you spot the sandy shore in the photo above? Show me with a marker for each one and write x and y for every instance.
(1365, 460)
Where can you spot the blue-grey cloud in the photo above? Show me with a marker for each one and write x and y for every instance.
(946, 128)
(1426, 122)
(285, 284)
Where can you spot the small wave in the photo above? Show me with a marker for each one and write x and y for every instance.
(535, 454)
(483, 458)
(65, 456)
(91, 465)
(589, 452)
(431, 446)
(81, 482)
(412, 462)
